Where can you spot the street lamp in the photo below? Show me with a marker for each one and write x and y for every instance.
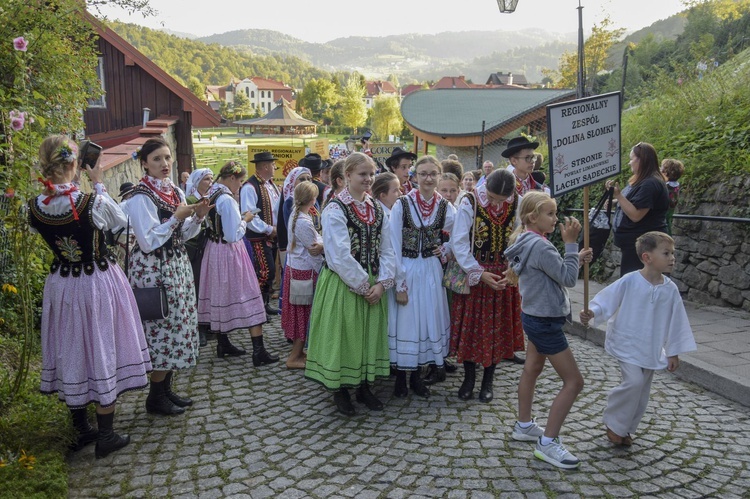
(507, 7)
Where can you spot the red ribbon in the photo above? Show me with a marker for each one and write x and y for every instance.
(50, 187)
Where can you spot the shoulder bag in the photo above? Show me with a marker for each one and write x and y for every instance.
(454, 277)
(152, 301)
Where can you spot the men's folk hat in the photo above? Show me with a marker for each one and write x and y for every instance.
(312, 162)
(264, 156)
(518, 144)
(397, 154)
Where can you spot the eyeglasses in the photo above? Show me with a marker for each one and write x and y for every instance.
(529, 159)
(428, 175)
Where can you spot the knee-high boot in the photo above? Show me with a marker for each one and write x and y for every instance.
(466, 391)
(108, 440)
(86, 433)
(485, 394)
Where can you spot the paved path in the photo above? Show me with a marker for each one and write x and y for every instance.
(268, 432)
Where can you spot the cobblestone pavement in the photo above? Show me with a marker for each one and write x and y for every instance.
(268, 432)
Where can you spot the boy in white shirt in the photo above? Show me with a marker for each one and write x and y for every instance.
(647, 328)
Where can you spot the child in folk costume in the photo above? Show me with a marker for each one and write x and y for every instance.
(520, 153)
(230, 298)
(93, 348)
(303, 262)
(422, 332)
(542, 276)
(486, 323)
(348, 340)
(647, 328)
(162, 222)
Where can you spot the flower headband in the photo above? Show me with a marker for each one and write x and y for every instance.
(67, 154)
(236, 168)
(137, 152)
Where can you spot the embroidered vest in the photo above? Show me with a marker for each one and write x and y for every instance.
(365, 239)
(78, 245)
(174, 244)
(214, 228)
(492, 233)
(421, 239)
(264, 203)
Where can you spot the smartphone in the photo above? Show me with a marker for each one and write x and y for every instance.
(90, 154)
(255, 211)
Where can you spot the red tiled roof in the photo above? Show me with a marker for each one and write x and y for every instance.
(268, 84)
(409, 89)
(378, 87)
(452, 82)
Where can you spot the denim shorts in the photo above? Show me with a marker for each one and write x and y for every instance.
(546, 333)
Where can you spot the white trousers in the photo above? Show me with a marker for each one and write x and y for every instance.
(627, 402)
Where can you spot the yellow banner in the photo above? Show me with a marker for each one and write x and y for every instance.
(287, 158)
(320, 146)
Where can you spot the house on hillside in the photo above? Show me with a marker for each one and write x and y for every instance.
(214, 95)
(409, 89)
(263, 93)
(140, 100)
(378, 89)
(453, 82)
(502, 79)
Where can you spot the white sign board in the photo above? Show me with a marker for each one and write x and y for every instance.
(584, 142)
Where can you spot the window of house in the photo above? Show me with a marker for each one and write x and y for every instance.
(247, 92)
(101, 101)
(252, 94)
(262, 94)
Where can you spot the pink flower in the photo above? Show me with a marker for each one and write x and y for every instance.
(17, 120)
(20, 43)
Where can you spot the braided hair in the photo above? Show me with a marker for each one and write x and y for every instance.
(304, 193)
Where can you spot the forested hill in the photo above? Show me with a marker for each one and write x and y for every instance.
(213, 64)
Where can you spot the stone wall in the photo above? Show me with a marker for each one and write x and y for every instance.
(713, 258)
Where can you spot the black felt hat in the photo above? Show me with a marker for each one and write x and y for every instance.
(312, 162)
(125, 188)
(397, 154)
(518, 144)
(261, 157)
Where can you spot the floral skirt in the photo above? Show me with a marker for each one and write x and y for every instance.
(295, 319)
(486, 324)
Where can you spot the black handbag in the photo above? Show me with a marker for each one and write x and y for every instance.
(600, 225)
(152, 301)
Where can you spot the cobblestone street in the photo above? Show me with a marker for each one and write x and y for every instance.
(268, 432)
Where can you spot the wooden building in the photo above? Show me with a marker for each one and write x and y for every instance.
(131, 84)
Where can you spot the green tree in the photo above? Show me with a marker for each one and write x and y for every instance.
(595, 50)
(197, 88)
(318, 99)
(386, 116)
(241, 105)
(352, 111)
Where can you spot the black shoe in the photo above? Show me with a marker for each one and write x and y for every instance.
(365, 396)
(225, 347)
(466, 391)
(108, 440)
(417, 386)
(176, 399)
(86, 433)
(202, 339)
(343, 402)
(158, 403)
(262, 357)
(450, 367)
(435, 374)
(516, 360)
(270, 309)
(399, 389)
(485, 394)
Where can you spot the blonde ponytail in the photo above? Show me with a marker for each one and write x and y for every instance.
(304, 194)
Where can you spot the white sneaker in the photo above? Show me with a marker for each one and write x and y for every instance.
(556, 454)
(528, 434)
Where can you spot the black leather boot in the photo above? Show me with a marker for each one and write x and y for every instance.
(202, 335)
(108, 440)
(400, 390)
(466, 391)
(270, 309)
(343, 402)
(158, 403)
(450, 367)
(260, 354)
(225, 347)
(176, 399)
(435, 374)
(485, 394)
(365, 396)
(86, 433)
(417, 385)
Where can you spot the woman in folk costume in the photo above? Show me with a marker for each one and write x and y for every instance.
(162, 222)
(348, 341)
(197, 186)
(231, 298)
(304, 260)
(486, 323)
(422, 334)
(93, 347)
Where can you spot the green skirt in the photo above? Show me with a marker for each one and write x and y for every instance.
(348, 338)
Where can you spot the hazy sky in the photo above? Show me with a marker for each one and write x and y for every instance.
(324, 20)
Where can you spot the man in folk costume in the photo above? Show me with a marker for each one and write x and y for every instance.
(260, 193)
(399, 163)
(315, 164)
